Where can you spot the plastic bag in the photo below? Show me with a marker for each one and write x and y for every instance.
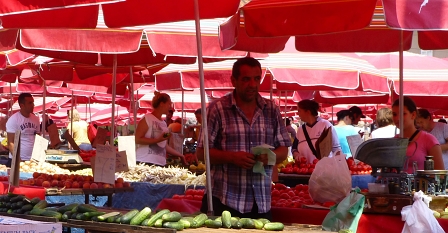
(346, 214)
(419, 217)
(331, 180)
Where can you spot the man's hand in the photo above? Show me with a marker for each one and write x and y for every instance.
(243, 159)
(262, 158)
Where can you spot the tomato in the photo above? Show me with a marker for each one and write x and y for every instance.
(275, 193)
(297, 170)
(350, 162)
(280, 186)
(311, 170)
(305, 188)
(291, 193)
(302, 165)
(303, 170)
(190, 192)
(283, 170)
(303, 160)
(284, 196)
(197, 197)
(297, 204)
(315, 161)
(189, 197)
(299, 187)
(175, 196)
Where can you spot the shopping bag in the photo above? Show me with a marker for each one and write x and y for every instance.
(330, 180)
(346, 214)
(418, 217)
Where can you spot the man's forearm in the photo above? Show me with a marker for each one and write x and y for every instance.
(216, 156)
(281, 153)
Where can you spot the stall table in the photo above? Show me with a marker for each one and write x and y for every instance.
(108, 192)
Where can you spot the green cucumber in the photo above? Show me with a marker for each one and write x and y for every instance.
(114, 219)
(42, 204)
(185, 222)
(35, 200)
(172, 217)
(89, 215)
(66, 216)
(264, 220)
(156, 216)
(37, 211)
(145, 222)
(66, 208)
(258, 224)
(212, 223)
(200, 220)
(158, 223)
(236, 224)
(51, 213)
(126, 219)
(226, 216)
(274, 226)
(248, 223)
(83, 208)
(142, 215)
(27, 207)
(104, 217)
(174, 225)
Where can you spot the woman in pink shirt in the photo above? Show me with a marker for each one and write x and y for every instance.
(421, 143)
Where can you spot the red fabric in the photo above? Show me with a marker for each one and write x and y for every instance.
(91, 132)
(369, 223)
(14, 6)
(8, 39)
(433, 40)
(28, 191)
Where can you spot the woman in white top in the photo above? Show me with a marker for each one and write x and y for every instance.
(385, 122)
(152, 133)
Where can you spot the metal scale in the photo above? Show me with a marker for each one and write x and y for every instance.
(63, 156)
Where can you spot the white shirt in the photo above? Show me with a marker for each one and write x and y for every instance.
(385, 132)
(29, 127)
(155, 153)
(440, 131)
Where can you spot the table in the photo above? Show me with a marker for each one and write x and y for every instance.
(108, 192)
(369, 223)
(28, 191)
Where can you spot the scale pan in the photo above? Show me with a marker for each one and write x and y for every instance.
(383, 152)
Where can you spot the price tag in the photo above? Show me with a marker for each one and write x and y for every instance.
(121, 163)
(39, 147)
(127, 143)
(15, 164)
(104, 168)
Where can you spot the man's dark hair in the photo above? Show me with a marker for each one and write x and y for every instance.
(442, 120)
(424, 113)
(310, 105)
(198, 111)
(249, 61)
(408, 103)
(23, 96)
(343, 113)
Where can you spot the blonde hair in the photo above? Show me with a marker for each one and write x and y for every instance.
(76, 116)
(159, 98)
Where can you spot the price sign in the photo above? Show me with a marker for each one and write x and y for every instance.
(127, 143)
(39, 147)
(104, 168)
(121, 162)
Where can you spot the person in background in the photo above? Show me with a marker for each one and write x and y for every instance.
(28, 124)
(437, 129)
(442, 120)
(421, 143)
(343, 129)
(176, 126)
(48, 122)
(79, 133)
(152, 134)
(169, 117)
(314, 126)
(236, 122)
(197, 128)
(357, 115)
(290, 129)
(385, 123)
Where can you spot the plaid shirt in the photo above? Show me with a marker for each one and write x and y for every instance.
(229, 130)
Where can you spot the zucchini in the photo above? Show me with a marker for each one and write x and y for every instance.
(174, 225)
(158, 223)
(50, 213)
(37, 211)
(83, 208)
(126, 219)
(66, 208)
(212, 223)
(225, 216)
(156, 216)
(142, 215)
(42, 204)
(172, 217)
(274, 226)
(103, 217)
(200, 220)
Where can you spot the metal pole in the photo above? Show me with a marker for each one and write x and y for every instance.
(134, 107)
(44, 118)
(272, 86)
(71, 116)
(400, 97)
(11, 101)
(203, 107)
(114, 90)
(182, 120)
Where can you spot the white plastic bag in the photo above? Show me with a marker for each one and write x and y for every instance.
(331, 180)
(419, 217)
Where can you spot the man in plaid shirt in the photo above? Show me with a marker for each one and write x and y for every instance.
(238, 121)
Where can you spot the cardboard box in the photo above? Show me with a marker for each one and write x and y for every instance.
(18, 225)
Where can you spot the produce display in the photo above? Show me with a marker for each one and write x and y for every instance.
(199, 167)
(48, 168)
(162, 175)
(165, 218)
(86, 155)
(303, 167)
(358, 168)
(191, 194)
(296, 197)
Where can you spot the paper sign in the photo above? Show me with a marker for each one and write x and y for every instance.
(54, 135)
(324, 144)
(121, 162)
(15, 164)
(104, 168)
(353, 142)
(71, 140)
(100, 138)
(39, 147)
(127, 143)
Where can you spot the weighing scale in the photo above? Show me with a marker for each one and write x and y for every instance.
(63, 156)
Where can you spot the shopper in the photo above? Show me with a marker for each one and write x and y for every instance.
(421, 143)
(343, 129)
(79, 133)
(385, 123)
(237, 122)
(152, 134)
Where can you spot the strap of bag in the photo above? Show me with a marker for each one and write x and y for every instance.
(308, 140)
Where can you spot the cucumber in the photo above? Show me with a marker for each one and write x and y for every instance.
(174, 225)
(94, 218)
(156, 216)
(90, 215)
(104, 217)
(17, 198)
(83, 208)
(258, 224)
(248, 223)
(236, 224)
(212, 223)
(172, 217)
(66, 208)
(126, 219)
(200, 220)
(274, 226)
(66, 216)
(226, 216)
(37, 211)
(35, 200)
(142, 215)
(50, 213)
(52, 209)
(79, 216)
(26, 212)
(42, 204)
(264, 220)
(112, 219)
(27, 207)
(158, 223)
(145, 222)
(74, 214)
(185, 222)
(218, 219)
(19, 204)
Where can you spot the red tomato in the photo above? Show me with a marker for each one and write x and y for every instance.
(310, 170)
(350, 162)
(315, 161)
(175, 196)
(291, 193)
(304, 170)
(302, 165)
(189, 197)
(299, 187)
(190, 192)
(280, 186)
(297, 170)
(303, 160)
(329, 203)
(283, 170)
(275, 193)
(305, 188)
(284, 196)
(197, 197)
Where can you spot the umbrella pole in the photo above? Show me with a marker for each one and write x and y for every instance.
(134, 109)
(400, 98)
(44, 118)
(182, 121)
(286, 99)
(71, 115)
(203, 107)
(114, 90)
(10, 99)
(90, 111)
(272, 87)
